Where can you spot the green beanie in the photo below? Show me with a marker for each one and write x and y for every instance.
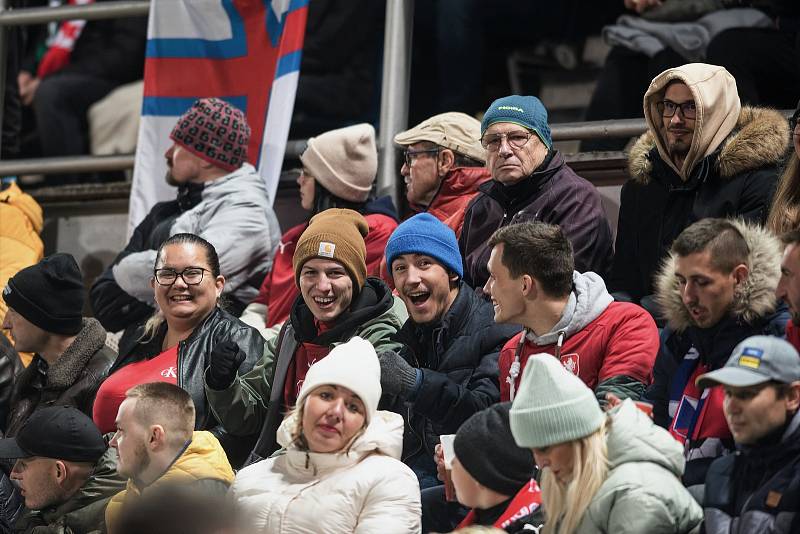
(553, 405)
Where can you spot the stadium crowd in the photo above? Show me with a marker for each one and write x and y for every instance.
(500, 358)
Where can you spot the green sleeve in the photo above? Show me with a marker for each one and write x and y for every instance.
(242, 407)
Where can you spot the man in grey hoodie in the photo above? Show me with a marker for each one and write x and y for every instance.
(609, 345)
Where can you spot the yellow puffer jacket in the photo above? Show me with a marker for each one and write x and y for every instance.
(20, 246)
(203, 459)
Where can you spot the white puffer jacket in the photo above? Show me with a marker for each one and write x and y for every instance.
(364, 491)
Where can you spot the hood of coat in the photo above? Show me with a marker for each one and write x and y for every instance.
(754, 300)
(383, 435)
(14, 196)
(746, 138)
(589, 298)
(244, 182)
(633, 437)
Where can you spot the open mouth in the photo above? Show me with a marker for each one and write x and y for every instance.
(324, 303)
(181, 298)
(418, 298)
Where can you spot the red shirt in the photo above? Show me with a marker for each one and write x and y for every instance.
(526, 502)
(161, 368)
(623, 340)
(793, 334)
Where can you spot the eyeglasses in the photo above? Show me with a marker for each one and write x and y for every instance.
(191, 276)
(667, 108)
(516, 139)
(411, 155)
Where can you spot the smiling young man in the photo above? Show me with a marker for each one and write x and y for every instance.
(758, 488)
(337, 301)
(530, 182)
(609, 345)
(704, 155)
(447, 368)
(716, 288)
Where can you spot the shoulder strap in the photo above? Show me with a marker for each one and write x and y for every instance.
(267, 444)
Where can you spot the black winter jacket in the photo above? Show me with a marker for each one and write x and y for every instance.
(553, 194)
(458, 359)
(757, 489)
(736, 180)
(10, 366)
(194, 356)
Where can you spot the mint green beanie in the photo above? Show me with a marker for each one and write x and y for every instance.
(553, 405)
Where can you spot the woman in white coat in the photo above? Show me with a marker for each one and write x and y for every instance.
(339, 469)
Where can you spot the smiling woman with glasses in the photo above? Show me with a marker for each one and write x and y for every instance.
(177, 343)
(784, 215)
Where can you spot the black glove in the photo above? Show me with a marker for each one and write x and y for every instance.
(397, 376)
(225, 361)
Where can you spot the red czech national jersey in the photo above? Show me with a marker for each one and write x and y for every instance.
(623, 340)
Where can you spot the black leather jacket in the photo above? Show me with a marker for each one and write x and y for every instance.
(194, 355)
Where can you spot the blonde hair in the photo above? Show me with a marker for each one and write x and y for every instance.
(784, 215)
(299, 440)
(565, 504)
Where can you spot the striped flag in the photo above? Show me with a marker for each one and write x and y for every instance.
(246, 52)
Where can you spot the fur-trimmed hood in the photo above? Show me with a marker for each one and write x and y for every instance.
(759, 139)
(756, 298)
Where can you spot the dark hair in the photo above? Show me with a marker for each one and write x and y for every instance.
(782, 389)
(539, 250)
(192, 239)
(324, 199)
(792, 237)
(719, 237)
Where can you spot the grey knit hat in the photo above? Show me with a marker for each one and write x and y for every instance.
(553, 405)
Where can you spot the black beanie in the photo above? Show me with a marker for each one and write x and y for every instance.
(49, 294)
(487, 450)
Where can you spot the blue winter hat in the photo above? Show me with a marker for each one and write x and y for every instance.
(425, 234)
(526, 111)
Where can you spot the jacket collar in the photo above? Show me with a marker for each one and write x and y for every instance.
(759, 139)
(520, 193)
(459, 182)
(69, 366)
(755, 300)
(453, 320)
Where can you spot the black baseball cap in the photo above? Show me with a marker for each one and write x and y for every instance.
(60, 432)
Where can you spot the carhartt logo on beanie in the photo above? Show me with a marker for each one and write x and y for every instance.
(344, 161)
(526, 111)
(336, 234)
(215, 131)
(553, 405)
(425, 234)
(49, 294)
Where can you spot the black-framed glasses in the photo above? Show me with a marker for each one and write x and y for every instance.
(518, 139)
(411, 155)
(191, 276)
(667, 108)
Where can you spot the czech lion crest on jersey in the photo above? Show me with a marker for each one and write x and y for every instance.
(571, 363)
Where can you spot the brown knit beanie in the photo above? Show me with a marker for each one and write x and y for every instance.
(335, 234)
(344, 161)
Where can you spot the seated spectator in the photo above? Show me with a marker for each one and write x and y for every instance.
(614, 472)
(64, 471)
(704, 156)
(716, 288)
(45, 303)
(337, 301)
(339, 469)
(179, 341)
(21, 223)
(530, 181)
(784, 215)
(84, 62)
(755, 490)
(156, 446)
(444, 165)
(10, 367)
(789, 285)
(609, 345)
(339, 168)
(446, 369)
(493, 476)
(221, 198)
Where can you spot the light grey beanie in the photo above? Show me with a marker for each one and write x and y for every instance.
(553, 405)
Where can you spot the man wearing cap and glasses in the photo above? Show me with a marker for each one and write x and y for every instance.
(444, 165)
(704, 155)
(757, 489)
(530, 182)
(64, 471)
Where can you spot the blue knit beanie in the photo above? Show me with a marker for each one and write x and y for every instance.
(527, 111)
(425, 234)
